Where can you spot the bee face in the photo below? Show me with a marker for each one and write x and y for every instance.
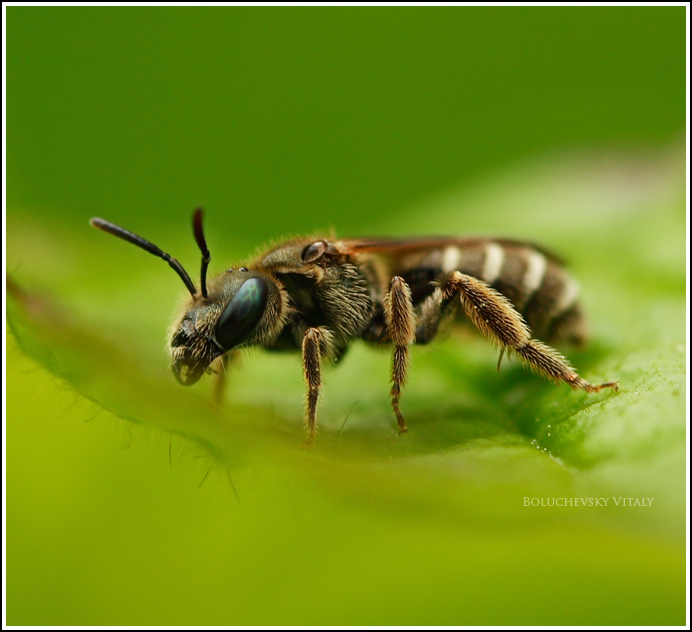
(242, 308)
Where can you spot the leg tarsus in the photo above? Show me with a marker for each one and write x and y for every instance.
(553, 365)
(395, 394)
(593, 388)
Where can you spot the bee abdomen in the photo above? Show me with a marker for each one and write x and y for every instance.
(536, 284)
(553, 311)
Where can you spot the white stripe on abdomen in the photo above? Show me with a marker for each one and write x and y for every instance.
(492, 266)
(535, 273)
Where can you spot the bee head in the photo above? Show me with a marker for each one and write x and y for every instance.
(243, 308)
(239, 308)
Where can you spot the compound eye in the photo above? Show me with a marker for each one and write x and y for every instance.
(314, 251)
(242, 314)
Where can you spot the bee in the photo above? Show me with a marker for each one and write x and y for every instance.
(318, 294)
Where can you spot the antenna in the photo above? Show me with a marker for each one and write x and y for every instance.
(138, 241)
(202, 243)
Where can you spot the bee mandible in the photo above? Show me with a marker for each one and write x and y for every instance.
(318, 294)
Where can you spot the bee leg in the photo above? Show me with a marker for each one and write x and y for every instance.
(221, 364)
(433, 310)
(497, 319)
(312, 344)
(499, 360)
(401, 325)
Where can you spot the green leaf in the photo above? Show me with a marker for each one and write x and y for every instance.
(436, 526)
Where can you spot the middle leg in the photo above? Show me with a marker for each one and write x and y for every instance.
(401, 325)
(317, 342)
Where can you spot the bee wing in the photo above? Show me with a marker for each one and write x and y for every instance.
(401, 245)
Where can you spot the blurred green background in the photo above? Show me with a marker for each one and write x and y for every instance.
(131, 501)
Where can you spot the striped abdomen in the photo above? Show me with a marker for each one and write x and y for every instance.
(533, 280)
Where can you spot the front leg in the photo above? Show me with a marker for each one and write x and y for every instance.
(401, 326)
(221, 365)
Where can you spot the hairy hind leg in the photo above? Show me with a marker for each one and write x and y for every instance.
(496, 318)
